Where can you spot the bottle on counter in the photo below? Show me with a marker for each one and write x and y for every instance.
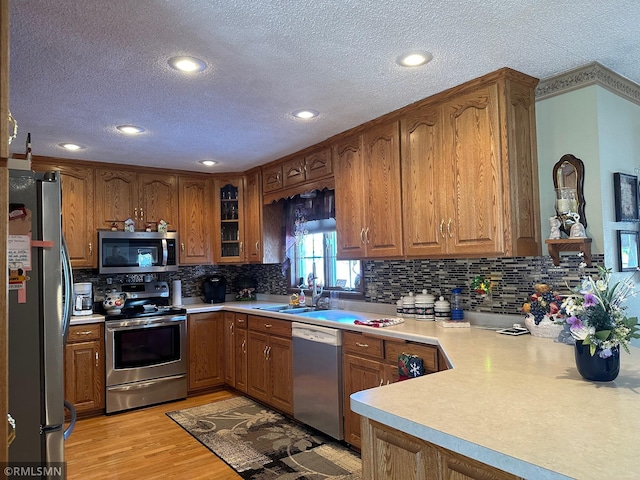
(424, 306)
(301, 298)
(457, 313)
(400, 307)
(442, 310)
(409, 305)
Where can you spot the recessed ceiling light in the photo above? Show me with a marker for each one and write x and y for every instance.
(130, 129)
(305, 114)
(71, 146)
(208, 163)
(414, 59)
(187, 64)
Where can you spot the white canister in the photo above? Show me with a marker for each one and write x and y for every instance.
(409, 305)
(400, 307)
(442, 310)
(424, 306)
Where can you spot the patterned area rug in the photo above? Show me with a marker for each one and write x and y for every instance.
(261, 444)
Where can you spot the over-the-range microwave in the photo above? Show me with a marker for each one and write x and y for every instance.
(137, 252)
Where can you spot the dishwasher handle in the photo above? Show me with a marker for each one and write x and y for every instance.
(316, 334)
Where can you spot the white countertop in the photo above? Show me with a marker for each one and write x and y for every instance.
(516, 403)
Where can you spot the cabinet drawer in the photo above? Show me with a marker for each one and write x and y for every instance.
(241, 320)
(428, 353)
(270, 325)
(83, 333)
(271, 179)
(362, 345)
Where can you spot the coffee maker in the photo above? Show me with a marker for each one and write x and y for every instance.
(83, 298)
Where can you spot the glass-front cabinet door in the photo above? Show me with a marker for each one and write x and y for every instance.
(229, 216)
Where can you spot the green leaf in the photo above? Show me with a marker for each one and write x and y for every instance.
(602, 334)
(592, 349)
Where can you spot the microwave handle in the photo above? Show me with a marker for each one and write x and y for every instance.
(165, 252)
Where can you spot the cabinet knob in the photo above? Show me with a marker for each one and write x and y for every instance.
(135, 213)
(362, 235)
(381, 382)
(442, 228)
(97, 358)
(231, 328)
(264, 352)
(91, 249)
(366, 235)
(258, 246)
(267, 325)
(363, 345)
(268, 353)
(449, 229)
(182, 246)
(244, 346)
(240, 246)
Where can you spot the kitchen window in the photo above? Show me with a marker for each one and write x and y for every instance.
(312, 244)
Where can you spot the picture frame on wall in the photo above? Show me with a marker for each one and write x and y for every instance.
(625, 189)
(628, 250)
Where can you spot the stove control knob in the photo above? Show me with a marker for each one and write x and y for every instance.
(157, 287)
(164, 288)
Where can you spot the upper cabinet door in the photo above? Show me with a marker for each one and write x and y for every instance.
(272, 178)
(158, 200)
(293, 172)
(77, 212)
(475, 219)
(253, 218)
(228, 235)
(195, 221)
(423, 185)
(383, 220)
(350, 201)
(318, 164)
(116, 197)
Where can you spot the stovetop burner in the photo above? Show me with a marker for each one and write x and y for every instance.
(140, 312)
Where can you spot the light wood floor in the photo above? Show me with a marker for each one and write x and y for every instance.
(143, 444)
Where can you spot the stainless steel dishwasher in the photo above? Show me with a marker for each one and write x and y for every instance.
(317, 377)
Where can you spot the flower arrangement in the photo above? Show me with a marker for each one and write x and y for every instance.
(246, 294)
(543, 302)
(481, 285)
(596, 315)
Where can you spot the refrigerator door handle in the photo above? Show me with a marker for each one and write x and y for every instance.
(11, 436)
(67, 275)
(72, 424)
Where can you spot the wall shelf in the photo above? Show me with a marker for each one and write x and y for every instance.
(569, 245)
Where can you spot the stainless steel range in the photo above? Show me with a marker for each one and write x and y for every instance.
(146, 349)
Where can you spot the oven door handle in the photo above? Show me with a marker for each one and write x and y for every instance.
(146, 324)
(137, 386)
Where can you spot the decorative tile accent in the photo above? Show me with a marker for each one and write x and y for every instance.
(387, 280)
(591, 74)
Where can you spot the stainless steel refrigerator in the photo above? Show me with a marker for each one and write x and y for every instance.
(39, 310)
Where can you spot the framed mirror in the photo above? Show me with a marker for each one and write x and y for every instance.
(568, 181)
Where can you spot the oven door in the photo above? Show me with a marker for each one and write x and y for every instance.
(145, 349)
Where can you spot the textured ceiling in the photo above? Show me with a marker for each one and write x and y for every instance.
(79, 68)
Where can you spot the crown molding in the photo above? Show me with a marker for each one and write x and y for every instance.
(591, 74)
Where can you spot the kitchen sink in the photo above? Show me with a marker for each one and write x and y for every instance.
(341, 316)
(286, 309)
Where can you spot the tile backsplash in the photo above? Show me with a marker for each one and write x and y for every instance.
(387, 280)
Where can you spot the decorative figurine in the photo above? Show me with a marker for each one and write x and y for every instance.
(114, 227)
(147, 228)
(129, 225)
(577, 230)
(162, 226)
(555, 228)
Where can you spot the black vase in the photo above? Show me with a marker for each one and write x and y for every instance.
(593, 367)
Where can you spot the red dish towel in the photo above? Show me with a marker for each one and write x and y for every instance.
(382, 322)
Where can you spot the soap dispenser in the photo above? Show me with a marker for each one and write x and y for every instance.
(301, 298)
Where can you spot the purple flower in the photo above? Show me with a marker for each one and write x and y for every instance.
(606, 353)
(590, 300)
(575, 322)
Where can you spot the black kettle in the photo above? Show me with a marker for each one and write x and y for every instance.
(214, 289)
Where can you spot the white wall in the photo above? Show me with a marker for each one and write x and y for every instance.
(603, 130)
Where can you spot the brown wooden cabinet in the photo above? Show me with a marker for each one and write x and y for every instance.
(371, 361)
(77, 211)
(272, 178)
(368, 200)
(194, 229)
(313, 165)
(269, 356)
(253, 218)
(228, 231)
(143, 197)
(206, 350)
(235, 350)
(469, 171)
(389, 454)
(84, 368)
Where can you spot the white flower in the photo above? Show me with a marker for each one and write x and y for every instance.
(602, 285)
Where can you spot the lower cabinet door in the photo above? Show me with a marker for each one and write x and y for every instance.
(359, 374)
(84, 375)
(258, 381)
(241, 359)
(280, 357)
(206, 348)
